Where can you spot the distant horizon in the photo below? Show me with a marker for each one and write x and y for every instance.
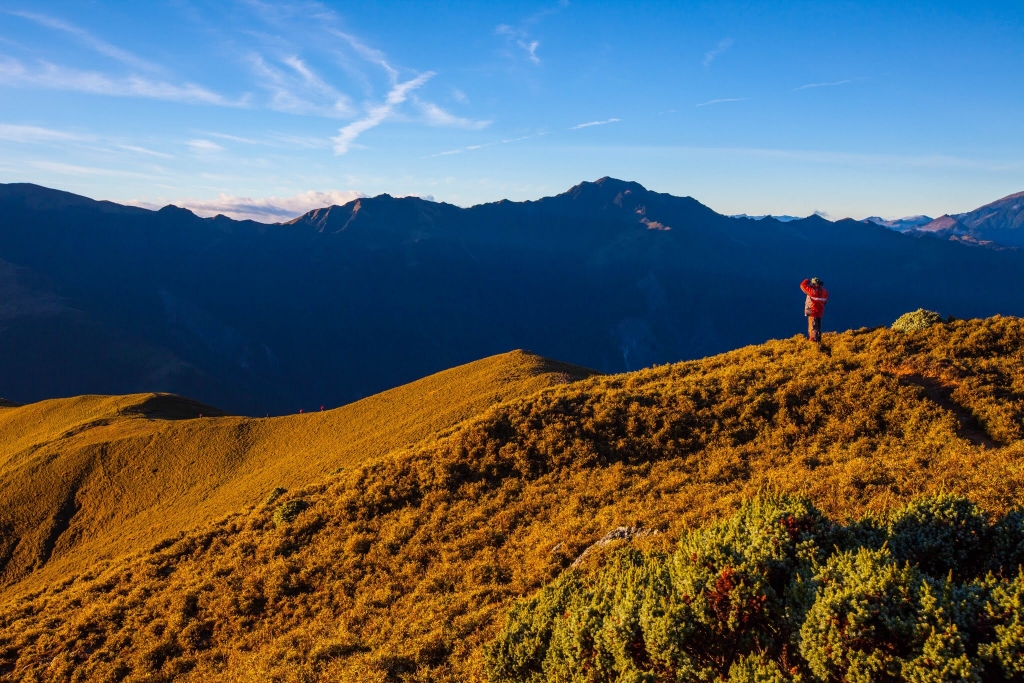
(258, 210)
(832, 108)
(206, 208)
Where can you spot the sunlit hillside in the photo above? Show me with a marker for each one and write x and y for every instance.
(403, 568)
(97, 476)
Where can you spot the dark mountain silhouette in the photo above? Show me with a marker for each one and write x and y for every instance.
(349, 300)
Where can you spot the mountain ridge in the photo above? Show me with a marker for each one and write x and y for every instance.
(348, 301)
(94, 477)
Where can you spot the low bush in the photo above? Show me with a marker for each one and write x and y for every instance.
(778, 592)
(274, 494)
(287, 512)
(916, 320)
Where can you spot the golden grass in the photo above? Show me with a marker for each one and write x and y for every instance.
(401, 568)
(95, 477)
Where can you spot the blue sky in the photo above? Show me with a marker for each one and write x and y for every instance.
(268, 109)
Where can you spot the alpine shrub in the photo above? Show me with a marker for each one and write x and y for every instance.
(862, 623)
(916, 320)
(274, 494)
(756, 669)
(287, 512)
(1005, 610)
(1008, 542)
(731, 589)
(779, 593)
(940, 535)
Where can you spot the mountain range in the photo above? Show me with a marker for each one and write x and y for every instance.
(901, 224)
(997, 224)
(347, 301)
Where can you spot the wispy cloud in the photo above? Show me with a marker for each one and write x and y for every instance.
(825, 85)
(369, 54)
(204, 146)
(531, 49)
(89, 40)
(75, 170)
(235, 138)
(34, 134)
(43, 74)
(376, 114)
(717, 51)
(722, 100)
(470, 148)
(276, 140)
(520, 38)
(51, 76)
(301, 28)
(283, 88)
(436, 116)
(299, 141)
(263, 209)
(594, 123)
(316, 83)
(520, 35)
(148, 152)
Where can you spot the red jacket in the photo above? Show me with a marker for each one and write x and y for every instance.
(817, 297)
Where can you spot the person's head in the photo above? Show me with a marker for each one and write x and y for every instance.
(816, 282)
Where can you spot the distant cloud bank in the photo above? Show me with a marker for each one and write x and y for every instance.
(264, 210)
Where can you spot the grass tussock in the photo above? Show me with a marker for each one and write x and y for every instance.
(402, 568)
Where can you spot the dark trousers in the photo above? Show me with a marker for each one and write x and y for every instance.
(814, 328)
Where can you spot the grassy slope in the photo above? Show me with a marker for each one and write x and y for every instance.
(98, 476)
(402, 568)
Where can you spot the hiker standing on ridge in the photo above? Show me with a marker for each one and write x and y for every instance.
(814, 306)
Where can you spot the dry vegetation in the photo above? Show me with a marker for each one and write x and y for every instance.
(97, 476)
(401, 569)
